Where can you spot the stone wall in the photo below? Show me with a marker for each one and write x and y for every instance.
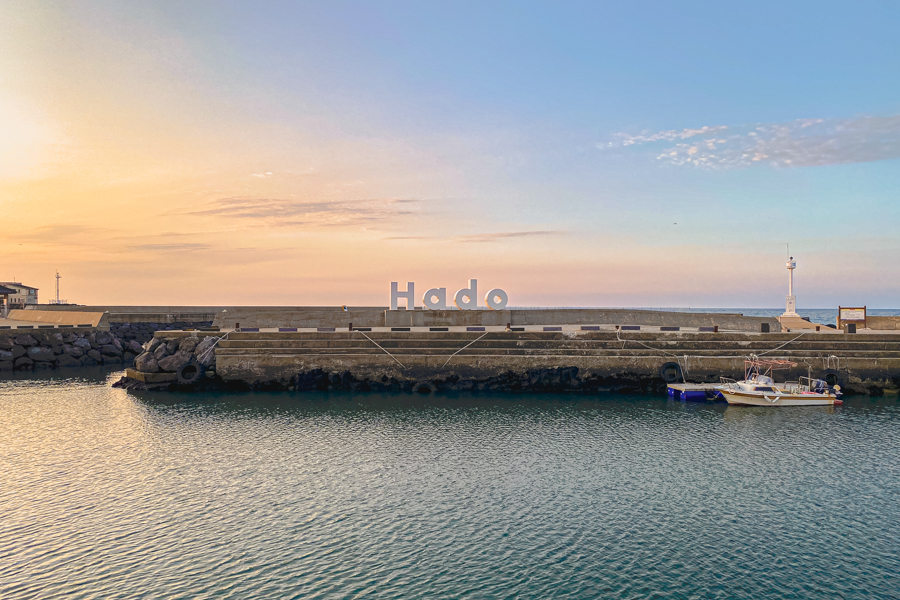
(36, 349)
(143, 332)
(26, 350)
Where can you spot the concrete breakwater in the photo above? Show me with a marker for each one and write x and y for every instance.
(571, 361)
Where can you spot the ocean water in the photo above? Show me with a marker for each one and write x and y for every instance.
(111, 494)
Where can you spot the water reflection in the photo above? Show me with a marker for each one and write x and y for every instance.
(108, 493)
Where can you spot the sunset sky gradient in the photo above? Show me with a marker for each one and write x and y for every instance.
(583, 154)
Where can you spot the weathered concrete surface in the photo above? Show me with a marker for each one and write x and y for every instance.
(53, 317)
(446, 318)
(882, 323)
(591, 316)
(307, 316)
(592, 361)
(269, 317)
(150, 377)
(146, 314)
(801, 324)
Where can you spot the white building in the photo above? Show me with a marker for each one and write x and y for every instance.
(25, 294)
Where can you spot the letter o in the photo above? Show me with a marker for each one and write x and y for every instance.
(496, 299)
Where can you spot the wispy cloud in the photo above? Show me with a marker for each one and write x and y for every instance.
(480, 237)
(505, 235)
(278, 212)
(175, 247)
(799, 143)
(262, 175)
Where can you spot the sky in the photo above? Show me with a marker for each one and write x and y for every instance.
(652, 154)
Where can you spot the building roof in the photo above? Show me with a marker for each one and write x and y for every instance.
(6, 290)
(17, 284)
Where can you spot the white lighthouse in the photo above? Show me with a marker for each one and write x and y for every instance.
(790, 309)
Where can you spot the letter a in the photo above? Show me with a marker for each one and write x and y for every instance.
(440, 294)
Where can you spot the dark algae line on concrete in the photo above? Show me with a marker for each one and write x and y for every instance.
(582, 362)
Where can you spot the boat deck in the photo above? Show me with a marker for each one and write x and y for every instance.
(694, 391)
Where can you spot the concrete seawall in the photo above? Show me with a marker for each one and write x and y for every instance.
(584, 362)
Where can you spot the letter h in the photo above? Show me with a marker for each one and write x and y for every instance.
(409, 294)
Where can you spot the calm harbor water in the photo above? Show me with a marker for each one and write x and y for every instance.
(110, 494)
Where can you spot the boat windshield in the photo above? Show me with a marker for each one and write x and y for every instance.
(763, 389)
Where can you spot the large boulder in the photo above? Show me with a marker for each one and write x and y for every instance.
(57, 349)
(56, 339)
(202, 352)
(152, 344)
(188, 344)
(172, 346)
(115, 342)
(38, 354)
(102, 338)
(134, 347)
(95, 355)
(83, 343)
(6, 356)
(75, 352)
(18, 351)
(6, 343)
(161, 352)
(26, 340)
(146, 363)
(110, 350)
(175, 362)
(69, 338)
(68, 361)
(22, 363)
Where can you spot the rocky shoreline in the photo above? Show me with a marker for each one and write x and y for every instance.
(165, 363)
(41, 349)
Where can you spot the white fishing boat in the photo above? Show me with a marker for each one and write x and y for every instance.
(759, 389)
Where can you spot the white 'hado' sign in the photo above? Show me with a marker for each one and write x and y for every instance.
(436, 298)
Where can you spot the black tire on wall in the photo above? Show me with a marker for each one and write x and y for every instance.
(670, 372)
(189, 373)
(832, 377)
(424, 387)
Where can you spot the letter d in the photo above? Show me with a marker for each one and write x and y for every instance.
(471, 295)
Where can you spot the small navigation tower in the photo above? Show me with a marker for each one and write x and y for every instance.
(57, 286)
(790, 309)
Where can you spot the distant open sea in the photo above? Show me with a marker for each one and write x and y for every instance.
(112, 494)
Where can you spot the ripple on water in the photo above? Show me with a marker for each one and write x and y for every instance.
(108, 494)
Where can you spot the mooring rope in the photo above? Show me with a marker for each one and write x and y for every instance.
(206, 352)
(463, 348)
(782, 346)
(380, 348)
(698, 357)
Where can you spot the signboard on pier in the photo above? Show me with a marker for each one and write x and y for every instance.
(852, 314)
